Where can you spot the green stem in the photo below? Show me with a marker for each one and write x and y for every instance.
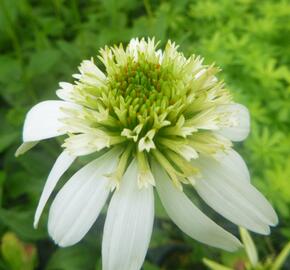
(148, 8)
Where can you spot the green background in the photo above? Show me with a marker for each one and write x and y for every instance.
(43, 42)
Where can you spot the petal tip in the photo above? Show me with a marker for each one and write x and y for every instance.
(236, 246)
(35, 225)
(266, 231)
(275, 219)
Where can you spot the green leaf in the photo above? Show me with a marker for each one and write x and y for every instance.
(17, 254)
(11, 251)
(2, 178)
(7, 139)
(43, 61)
(249, 246)
(21, 223)
(215, 266)
(149, 266)
(78, 257)
(281, 258)
(10, 70)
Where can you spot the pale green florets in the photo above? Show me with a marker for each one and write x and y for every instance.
(152, 103)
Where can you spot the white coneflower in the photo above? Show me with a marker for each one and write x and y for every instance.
(162, 120)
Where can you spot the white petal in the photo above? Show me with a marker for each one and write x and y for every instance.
(42, 121)
(188, 217)
(60, 166)
(241, 130)
(89, 67)
(235, 199)
(234, 163)
(79, 202)
(24, 147)
(65, 91)
(128, 225)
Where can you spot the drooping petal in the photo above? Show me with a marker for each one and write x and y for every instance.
(241, 119)
(60, 166)
(188, 217)
(24, 147)
(234, 163)
(128, 225)
(234, 198)
(79, 202)
(42, 121)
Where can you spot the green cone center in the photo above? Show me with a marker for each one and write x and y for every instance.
(145, 87)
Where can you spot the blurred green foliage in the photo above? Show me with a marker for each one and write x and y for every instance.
(248, 258)
(42, 43)
(16, 254)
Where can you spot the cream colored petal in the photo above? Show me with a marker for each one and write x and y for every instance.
(42, 121)
(60, 166)
(188, 217)
(233, 197)
(66, 91)
(128, 225)
(240, 130)
(234, 163)
(79, 202)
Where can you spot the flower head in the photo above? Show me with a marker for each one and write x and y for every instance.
(162, 120)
